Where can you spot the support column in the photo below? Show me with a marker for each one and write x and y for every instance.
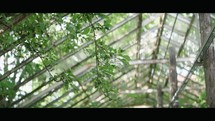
(173, 76)
(139, 26)
(159, 96)
(208, 59)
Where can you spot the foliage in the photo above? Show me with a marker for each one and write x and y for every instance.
(39, 37)
(201, 101)
(105, 61)
(138, 99)
(7, 92)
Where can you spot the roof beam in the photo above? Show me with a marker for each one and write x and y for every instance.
(171, 35)
(156, 51)
(185, 38)
(157, 61)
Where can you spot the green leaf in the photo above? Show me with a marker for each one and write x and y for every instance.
(87, 30)
(126, 57)
(125, 62)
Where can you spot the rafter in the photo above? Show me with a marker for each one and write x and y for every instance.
(185, 38)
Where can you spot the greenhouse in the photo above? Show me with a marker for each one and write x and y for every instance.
(107, 60)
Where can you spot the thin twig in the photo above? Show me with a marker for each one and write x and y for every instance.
(39, 55)
(96, 49)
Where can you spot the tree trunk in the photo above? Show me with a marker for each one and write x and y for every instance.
(208, 62)
(173, 76)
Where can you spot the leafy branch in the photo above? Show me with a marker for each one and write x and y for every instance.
(105, 61)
